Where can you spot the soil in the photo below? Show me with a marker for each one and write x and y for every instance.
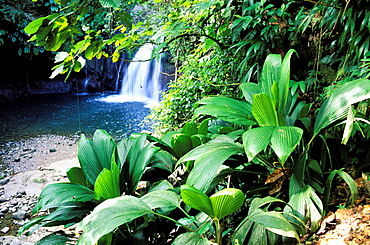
(35, 153)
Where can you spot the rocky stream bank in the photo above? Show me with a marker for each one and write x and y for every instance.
(27, 166)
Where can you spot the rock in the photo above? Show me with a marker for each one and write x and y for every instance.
(21, 192)
(4, 181)
(52, 150)
(20, 215)
(4, 209)
(14, 202)
(3, 199)
(18, 159)
(5, 230)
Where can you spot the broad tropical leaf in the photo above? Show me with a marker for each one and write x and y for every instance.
(161, 198)
(63, 192)
(256, 140)
(191, 238)
(264, 110)
(88, 159)
(110, 3)
(337, 105)
(104, 146)
(181, 144)
(208, 159)
(117, 211)
(196, 199)
(107, 184)
(76, 175)
(226, 202)
(284, 140)
(249, 89)
(227, 109)
(305, 204)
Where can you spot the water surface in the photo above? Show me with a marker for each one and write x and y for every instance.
(69, 114)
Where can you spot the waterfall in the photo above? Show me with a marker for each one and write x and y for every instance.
(140, 79)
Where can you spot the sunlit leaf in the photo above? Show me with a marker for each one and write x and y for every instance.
(226, 202)
(191, 238)
(284, 140)
(256, 140)
(117, 211)
(196, 199)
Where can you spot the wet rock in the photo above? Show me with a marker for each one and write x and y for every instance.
(3, 199)
(52, 150)
(20, 215)
(18, 159)
(5, 230)
(14, 202)
(4, 181)
(21, 192)
(4, 209)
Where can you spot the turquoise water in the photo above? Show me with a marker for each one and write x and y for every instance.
(69, 114)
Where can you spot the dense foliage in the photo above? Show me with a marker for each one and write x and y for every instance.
(259, 156)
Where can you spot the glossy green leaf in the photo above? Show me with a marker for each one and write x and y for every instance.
(63, 192)
(264, 110)
(107, 184)
(76, 175)
(54, 239)
(33, 27)
(191, 238)
(110, 3)
(189, 129)
(203, 127)
(208, 159)
(161, 198)
(196, 199)
(305, 204)
(117, 211)
(283, 82)
(274, 222)
(227, 109)
(270, 75)
(181, 144)
(88, 159)
(249, 89)
(337, 105)
(104, 146)
(226, 202)
(284, 140)
(256, 140)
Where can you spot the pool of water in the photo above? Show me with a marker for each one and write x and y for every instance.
(69, 114)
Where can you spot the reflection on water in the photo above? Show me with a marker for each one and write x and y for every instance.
(69, 114)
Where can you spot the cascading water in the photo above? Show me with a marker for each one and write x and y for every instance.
(140, 79)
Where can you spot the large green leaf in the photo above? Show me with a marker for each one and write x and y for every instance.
(208, 159)
(53, 239)
(249, 89)
(274, 222)
(256, 140)
(107, 183)
(191, 238)
(262, 227)
(337, 105)
(226, 202)
(63, 192)
(104, 146)
(284, 140)
(76, 175)
(270, 75)
(283, 83)
(116, 211)
(181, 144)
(196, 199)
(305, 204)
(110, 3)
(264, 110)
(88, 159)
(227, 109)
(161, 198)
